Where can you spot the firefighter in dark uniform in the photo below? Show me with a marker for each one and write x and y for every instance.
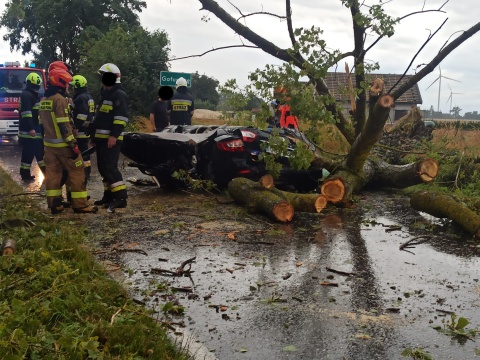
(82, 111)
(30, 131)
(181, 105)
(110, 120)
(61, 148)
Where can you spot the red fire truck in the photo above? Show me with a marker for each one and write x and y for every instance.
(12, 82)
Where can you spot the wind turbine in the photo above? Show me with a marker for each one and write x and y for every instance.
(451, 96)
(439, 79)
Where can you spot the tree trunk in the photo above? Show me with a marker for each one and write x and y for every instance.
(258, 199)
(445, 206)
(339, 188)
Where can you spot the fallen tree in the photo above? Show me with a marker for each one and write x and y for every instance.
(445, 206)
(370, 108)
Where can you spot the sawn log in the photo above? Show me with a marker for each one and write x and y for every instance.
(258, 199)
(312, 203)
(445, 206)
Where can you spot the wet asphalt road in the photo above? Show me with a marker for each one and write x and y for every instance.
(261, 290)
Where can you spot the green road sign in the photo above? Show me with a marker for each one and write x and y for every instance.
(168, 78)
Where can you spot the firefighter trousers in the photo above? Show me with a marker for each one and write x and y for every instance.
(83, 145)
(31, 148)
(57, 160)
(107, 162)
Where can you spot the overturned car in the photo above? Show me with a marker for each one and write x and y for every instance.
(216, 153)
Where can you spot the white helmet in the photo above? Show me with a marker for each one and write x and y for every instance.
(112, 68)
(181, 82)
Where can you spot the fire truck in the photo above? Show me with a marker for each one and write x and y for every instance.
(12, 83)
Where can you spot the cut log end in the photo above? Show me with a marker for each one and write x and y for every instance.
(267, 181)
(8, 247)
(333, 190)
(283, 211)
(376, 87)
(428, 170)
(320, 203)
(386, 101)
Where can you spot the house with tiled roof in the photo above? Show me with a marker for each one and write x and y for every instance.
(338, 85)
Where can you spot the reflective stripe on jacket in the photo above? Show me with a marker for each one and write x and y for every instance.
(112, 113)
(56, 123)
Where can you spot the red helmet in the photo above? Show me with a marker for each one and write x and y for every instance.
(59, 65)
(59, 77)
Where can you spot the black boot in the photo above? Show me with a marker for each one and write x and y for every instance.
(116, 204)
(26, 176)
(105, 200)
(57, 206)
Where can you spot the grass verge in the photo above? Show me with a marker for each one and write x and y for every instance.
(56, 302)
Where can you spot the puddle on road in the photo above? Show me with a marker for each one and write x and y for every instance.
(272, 279)
(269, 280)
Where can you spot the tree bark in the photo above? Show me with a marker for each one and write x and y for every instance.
(445, 206)
(312, 203)
(258, 199)
(339, 188)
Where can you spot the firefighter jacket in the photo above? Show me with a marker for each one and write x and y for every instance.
(58, 130)
(181, 107)
(82, 110)
(28, 115)
(112, 113)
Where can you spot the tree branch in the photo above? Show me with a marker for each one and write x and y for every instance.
(289, 22)
(211, 50)
(436, 60)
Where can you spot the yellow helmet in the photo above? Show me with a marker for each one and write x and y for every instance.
(34, 79)
(78, 81)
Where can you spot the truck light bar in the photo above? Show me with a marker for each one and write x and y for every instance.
(11, 63)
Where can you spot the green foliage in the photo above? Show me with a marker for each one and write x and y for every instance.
(57, 302)
(57, 27)
(171, 308)
(204, 90)
(275, 148)
(456, 327)
(143, 56)
(417, 354)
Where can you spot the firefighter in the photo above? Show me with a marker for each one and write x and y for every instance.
(110, 120)
(61, 148)
(30, 131)
(181, 105)
(82, 110)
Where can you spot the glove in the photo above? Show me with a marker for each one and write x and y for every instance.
(75, 151)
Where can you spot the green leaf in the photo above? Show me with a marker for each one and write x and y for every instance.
(43, 233)
(243, 350)
(290, 348)
(406, 352)
(462, 322)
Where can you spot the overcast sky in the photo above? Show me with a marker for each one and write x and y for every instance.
(189, 35)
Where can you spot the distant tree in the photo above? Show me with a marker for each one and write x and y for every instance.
(143, 55)
(456, 112)
(58, 27)
(204, 90)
